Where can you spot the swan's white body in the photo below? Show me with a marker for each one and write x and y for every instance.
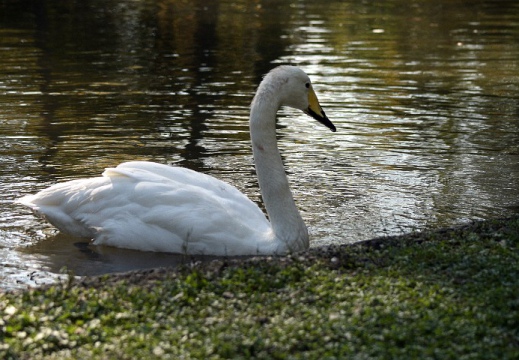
(153, 207)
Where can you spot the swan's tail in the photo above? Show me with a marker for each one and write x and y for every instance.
(58, 205)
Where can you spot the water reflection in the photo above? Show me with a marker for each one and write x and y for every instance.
(424, 94)
(59, 253)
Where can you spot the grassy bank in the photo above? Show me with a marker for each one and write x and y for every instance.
(450, 294)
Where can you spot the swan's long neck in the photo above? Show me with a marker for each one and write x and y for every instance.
(284, 217)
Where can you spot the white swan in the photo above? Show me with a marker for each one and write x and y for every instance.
(153, 207)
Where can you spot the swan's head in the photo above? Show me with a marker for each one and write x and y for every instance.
(295, 90)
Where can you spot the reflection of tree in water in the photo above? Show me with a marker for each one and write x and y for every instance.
(206, 43)
(185, 42)
(169, 64)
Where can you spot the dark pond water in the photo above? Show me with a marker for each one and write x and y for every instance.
(424, 94)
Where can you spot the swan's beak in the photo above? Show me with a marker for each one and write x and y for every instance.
(316, 111)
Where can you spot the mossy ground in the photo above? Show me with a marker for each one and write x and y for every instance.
(449, 294)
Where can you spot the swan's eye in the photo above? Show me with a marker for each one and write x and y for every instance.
(307, 85)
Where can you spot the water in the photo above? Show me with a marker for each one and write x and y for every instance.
(424, 94)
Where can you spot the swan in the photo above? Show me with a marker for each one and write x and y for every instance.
(153, 207)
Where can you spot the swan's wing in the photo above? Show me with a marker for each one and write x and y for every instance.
(192, 188)
(154, 207)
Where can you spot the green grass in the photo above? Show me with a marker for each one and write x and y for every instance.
(449, 294)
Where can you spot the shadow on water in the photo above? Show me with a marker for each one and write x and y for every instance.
(62, 253)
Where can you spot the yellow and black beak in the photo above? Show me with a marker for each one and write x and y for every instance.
(316, 111)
